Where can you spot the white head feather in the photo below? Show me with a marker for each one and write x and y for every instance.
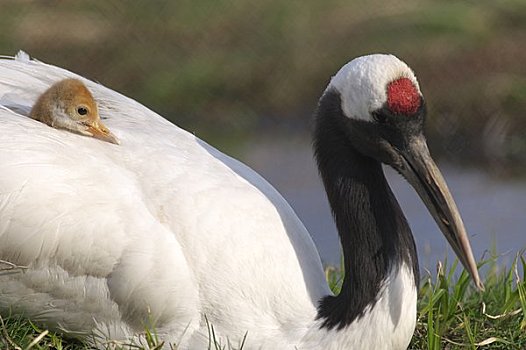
(362, 83)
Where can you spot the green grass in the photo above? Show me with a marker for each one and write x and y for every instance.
(19, 333)
(451, 315)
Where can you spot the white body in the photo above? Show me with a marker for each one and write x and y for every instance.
(162, 227)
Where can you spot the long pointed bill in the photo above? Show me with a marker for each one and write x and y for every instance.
(422, 173)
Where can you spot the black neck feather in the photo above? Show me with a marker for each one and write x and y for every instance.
(374, 233)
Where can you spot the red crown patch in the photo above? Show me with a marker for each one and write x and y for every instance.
(403, 97)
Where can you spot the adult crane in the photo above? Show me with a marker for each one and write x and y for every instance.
(164, 230)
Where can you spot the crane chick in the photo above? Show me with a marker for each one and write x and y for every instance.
(69, 105)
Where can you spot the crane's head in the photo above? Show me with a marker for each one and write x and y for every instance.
(69, 105)
(381, 111)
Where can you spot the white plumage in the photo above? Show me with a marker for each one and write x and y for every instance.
(162, 224)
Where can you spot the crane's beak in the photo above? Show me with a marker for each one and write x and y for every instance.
(421, 172)
(99, 131)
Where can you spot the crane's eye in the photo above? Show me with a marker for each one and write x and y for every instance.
(82, 110)
(379, 117)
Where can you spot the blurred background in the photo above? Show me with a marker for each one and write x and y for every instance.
(246, 75)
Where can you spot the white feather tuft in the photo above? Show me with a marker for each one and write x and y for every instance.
(22, 56)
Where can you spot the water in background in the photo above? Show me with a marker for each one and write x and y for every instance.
(493, 211)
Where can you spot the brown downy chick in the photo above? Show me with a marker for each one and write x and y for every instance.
(69, 105)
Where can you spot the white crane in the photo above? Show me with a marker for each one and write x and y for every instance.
(164, 229)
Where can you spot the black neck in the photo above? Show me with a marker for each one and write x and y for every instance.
(374, 233)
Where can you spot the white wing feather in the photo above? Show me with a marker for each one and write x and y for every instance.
(162, 227)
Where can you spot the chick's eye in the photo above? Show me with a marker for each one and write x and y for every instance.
(379, 117)
(82, 110)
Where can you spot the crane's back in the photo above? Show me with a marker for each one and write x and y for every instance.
(162, 227)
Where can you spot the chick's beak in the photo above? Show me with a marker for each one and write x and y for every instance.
(100, 131)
